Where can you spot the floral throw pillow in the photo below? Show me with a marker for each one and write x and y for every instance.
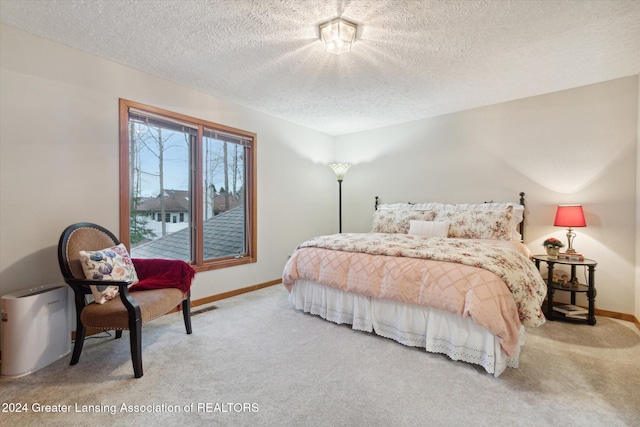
(481, 224)
(111, 263)
(398, 221)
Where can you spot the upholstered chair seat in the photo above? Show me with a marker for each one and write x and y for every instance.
(112, 315)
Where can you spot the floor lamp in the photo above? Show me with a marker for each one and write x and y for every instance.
(340, 169)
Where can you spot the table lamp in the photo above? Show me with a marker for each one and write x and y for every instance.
(570, 216)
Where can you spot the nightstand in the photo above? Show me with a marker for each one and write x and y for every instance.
(552, 286)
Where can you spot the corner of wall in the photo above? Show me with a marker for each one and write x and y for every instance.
(637, 287)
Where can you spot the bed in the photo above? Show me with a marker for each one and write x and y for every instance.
(454, 279)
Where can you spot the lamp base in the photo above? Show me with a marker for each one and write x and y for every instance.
(570, 236)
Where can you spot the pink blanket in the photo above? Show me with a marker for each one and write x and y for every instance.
(407, 269)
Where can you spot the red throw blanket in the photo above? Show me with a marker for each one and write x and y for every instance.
(162, 273)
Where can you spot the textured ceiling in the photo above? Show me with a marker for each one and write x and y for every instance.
(411, 59)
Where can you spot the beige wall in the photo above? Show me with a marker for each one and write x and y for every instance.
(59, 165)
(59, 161)
(638, 213)
(575, 146)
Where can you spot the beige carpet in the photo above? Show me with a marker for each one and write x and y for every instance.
(255, 361)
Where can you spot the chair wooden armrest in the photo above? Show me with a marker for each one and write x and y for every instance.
(121, 284)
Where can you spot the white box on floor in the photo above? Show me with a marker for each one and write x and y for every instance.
(36, 329)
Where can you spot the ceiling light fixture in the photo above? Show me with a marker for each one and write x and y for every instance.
(338, 35)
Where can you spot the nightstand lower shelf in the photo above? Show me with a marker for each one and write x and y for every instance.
(582, 318)
(589, 289)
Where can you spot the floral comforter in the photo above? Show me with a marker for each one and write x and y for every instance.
(490, 280)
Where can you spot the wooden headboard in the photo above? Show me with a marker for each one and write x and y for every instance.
(520, 226)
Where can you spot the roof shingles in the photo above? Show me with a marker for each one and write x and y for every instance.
(223, 235)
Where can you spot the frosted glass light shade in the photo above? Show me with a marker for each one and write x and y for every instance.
(338, 35)
(340, 169)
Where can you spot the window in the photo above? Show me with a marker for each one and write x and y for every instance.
(173, 166)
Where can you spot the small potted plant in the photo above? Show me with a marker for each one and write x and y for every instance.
(552, 246)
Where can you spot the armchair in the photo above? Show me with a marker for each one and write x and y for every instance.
(162, 286)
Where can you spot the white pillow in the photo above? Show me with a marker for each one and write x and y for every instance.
(429, 228)
(516, 219)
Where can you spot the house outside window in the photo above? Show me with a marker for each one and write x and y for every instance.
(197, 178)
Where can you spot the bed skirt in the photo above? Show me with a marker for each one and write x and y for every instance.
(435, 330)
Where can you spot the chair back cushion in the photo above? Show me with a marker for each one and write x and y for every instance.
(81, 237)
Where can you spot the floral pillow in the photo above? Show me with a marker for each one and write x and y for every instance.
(111, 263)
(398, 221)
(516, 218)
(478, 224)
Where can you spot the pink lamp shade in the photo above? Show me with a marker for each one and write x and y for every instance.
(570, 216)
